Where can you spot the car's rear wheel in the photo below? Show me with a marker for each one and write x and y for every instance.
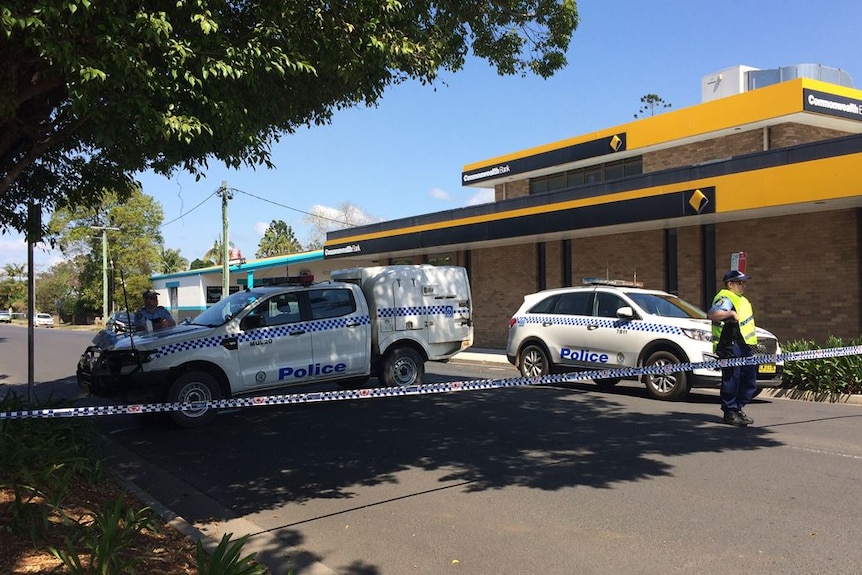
(402, 367)
(194, 386)
(665, 386)
(534, 362)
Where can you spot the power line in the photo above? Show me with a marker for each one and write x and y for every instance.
(181, 216)
(290, 208)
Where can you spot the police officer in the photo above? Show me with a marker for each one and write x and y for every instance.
(733, 335)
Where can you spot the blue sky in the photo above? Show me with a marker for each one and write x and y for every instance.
(405, 156)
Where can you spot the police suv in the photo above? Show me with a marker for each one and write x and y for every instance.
(383, 321)
(611, 324)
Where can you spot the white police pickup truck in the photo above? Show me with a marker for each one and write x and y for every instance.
(383, 321)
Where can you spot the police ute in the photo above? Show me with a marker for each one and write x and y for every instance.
(615, 324)
(378, 321)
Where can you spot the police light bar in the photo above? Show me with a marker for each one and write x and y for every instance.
(303, 280)
(610, 282)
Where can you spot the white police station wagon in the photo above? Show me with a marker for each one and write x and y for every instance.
(607, 325)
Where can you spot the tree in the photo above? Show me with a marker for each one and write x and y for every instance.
(323, 219)
(15, 271)
(133, 250)
(57, 290)
(92, 93)
(13, 288)
(215, 255)
(652, 104)
(199, 263)
(172, 262)
(278, 239)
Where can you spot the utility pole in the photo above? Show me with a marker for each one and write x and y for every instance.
(225, 246)
(104, 269)
(34, 235)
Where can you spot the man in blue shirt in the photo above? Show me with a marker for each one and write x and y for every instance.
(158, 316)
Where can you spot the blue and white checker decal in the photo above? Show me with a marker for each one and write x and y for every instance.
(444, 310)
(262, 333)
(600, 322)
(181, 346)
(432, 388)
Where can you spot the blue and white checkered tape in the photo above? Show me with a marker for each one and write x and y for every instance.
(427, 389)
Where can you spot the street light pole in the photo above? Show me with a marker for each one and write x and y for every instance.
(104, 269)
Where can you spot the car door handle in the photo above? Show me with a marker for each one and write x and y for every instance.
(547, 323)
(352, 324)
(298, 332)
(592, 326)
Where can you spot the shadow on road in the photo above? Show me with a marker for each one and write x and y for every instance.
(547, 438)
(541, 438)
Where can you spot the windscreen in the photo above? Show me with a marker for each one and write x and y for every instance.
(666, 305)
(223, 310)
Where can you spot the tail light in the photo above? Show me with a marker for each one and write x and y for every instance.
(512, 322)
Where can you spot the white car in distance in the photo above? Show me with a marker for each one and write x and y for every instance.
(43, 320)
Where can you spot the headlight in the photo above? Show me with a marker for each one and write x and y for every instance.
(698, 334)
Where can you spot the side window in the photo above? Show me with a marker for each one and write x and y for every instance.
(575, 303)
(544, 306)
(331, 303)
(283, 309)
(608, 304)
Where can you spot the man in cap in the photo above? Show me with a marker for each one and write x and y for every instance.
(734, 335)
(151, 311)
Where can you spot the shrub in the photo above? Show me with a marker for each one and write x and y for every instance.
(832, 375)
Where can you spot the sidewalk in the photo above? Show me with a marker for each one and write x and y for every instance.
(481, 355)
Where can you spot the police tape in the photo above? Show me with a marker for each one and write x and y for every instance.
(430, 388)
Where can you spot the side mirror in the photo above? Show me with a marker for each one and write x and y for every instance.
(625, 312)
(252, 321)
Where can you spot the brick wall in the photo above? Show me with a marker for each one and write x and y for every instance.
(748, 142)
(512, 190)
(500, 278)
(553, 265)
(805, 272)
(638, 255)
(790, 134)
(705, 151)
(689, 264)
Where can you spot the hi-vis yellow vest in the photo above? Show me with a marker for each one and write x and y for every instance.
(744, 312)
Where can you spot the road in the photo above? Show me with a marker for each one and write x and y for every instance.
(551, 480)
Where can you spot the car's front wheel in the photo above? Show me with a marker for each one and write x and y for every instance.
(534, 362)
(665, 386)
(194, 386)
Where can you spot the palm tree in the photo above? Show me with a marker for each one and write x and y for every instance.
(278, 239)
(173, 262)
(216, 253)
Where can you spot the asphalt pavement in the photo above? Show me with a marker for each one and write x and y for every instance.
(822, 448)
